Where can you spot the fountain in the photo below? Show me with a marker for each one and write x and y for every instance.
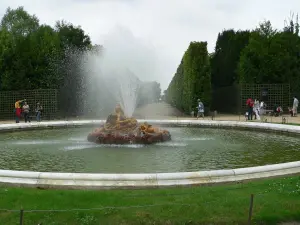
(119, 129)
(116, 72)
(113, 75)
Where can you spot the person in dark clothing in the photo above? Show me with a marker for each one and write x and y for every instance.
(38, 111)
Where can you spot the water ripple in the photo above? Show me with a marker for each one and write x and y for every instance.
(172, 144)
(191, 149)
(100, 146)
(36, 142)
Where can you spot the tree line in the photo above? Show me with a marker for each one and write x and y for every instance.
(39, 56)
(30, 51)
(192, 79)
(262, 55)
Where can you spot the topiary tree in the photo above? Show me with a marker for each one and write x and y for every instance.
(192, 79)
(197, 76)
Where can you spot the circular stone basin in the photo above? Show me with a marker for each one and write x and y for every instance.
(191, 149)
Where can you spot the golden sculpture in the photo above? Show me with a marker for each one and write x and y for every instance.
(120, 129)
(119, 122)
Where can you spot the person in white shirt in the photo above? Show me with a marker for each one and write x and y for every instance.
(262, 108)
(256, 109)
(295, 106)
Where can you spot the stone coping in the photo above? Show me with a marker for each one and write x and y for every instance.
(207, 123)
(100, 181)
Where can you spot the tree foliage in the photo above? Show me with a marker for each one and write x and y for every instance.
(271, 57)
(192, 80)
(263, 55)
(72, 36)
(35, 56)
(226, 57)
(31, 54)
(19, 22)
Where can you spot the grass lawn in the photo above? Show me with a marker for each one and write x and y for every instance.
(275, 200)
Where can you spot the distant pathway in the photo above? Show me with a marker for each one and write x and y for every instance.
(157, 110)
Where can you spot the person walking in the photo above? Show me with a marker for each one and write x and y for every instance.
(200, 109)
(250, 104)
(26, 109)
(295, 106)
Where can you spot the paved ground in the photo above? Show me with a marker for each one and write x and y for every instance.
(165, 111)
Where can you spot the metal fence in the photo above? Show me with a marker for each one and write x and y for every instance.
(46, 97)
(232, 99)
(271, 94)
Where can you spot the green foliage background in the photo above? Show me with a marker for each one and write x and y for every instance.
(262, 55)
(37, 56)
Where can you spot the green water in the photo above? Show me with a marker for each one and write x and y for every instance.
(191, 149)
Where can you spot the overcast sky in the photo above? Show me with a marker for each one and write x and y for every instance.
(163, 29)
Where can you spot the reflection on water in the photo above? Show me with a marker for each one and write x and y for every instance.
(191, 149)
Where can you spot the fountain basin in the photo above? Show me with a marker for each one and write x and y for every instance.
(165, 176)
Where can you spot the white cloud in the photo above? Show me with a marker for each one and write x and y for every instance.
(166, 25)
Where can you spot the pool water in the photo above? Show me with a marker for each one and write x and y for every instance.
(191, 149)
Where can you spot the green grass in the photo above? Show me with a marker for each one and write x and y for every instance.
(275, 200)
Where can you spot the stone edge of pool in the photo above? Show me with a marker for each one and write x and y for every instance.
(147, 180)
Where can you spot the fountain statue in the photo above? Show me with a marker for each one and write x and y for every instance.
(118, 129)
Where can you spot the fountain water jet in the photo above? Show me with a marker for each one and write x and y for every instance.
(119, 82)
(118, 69)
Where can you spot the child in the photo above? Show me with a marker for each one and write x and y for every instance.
(246, 115)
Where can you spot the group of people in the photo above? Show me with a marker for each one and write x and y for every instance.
(257, 108)
(23, 109)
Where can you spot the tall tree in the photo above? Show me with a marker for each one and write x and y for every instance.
(175, 89)
(19, 22)
(7, 53)
(72, 36)
(224, 61)
(262, 60)
(192, 79)
(16, 26)
(45, 53)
